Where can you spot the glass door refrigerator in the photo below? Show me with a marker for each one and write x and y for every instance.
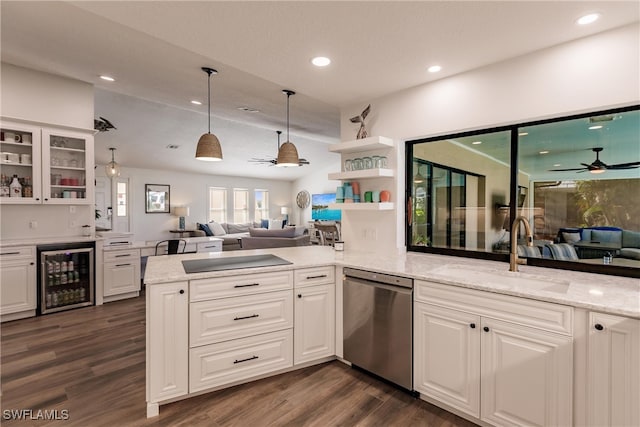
(66, 277)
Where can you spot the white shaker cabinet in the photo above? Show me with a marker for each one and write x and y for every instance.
(501, 359)
(121, 274)
(314, 323)
(613, 371)
(17, 282)
(167, 343)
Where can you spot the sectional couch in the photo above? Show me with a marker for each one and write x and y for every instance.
(625, 242)
(253, 236)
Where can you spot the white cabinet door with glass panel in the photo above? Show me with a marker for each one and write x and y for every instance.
(20, 163)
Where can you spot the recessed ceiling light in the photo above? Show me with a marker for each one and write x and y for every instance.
(173, 146)
(596, 292)
(108, 78)
(434, 68)
(595, 127)
(476, 142)
(523, 134)
(588, 19)
(193, 101)
(544, 152)
(321, 61)
(557, 164)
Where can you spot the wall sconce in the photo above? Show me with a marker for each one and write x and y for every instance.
(181, 211)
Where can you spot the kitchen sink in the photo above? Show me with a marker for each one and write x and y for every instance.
(477, 275)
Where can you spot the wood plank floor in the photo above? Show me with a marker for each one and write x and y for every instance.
(91, 362)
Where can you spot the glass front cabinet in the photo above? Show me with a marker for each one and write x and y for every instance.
(45, 165)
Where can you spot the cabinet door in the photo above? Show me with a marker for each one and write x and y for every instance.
(613, 371)
(120, 278)
(167, 341)
(447, 356)
(526, 376)
(314, 323)
(67, 167)
(20, 147)
(17, 286)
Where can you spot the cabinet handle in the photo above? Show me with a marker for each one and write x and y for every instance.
(10, 253)
(31, 263)
(472, 325)
(486, 329)
(46, 200)
(599, 327)
(246, 317)
(122, 265)
(244, 360)
(37, 199)
(123, 255)
(244, 286)
(299, 295)
(316, 277)
(181, 291)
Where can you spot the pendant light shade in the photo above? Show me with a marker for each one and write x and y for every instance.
(287, 153)
(209, 148)
(112, 168)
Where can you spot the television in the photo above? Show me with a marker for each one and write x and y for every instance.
(320, 207)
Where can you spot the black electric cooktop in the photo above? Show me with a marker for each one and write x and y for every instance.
(232, 263)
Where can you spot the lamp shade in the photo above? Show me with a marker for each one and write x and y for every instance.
(288, 155)
(208, 148)
(181, 211)
(284, 210)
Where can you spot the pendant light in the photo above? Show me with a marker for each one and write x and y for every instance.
(287, 153)
(112, 168)
(209, 146)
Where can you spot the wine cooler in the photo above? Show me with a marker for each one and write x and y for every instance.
(65, 277)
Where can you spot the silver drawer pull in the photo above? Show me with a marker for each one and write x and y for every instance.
(120, 256)
(316, 277)
(246, 317)
(122, 265)
(10, 253)
(244, 286)
(244, 360)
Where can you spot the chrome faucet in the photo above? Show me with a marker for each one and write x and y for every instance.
(513, 257)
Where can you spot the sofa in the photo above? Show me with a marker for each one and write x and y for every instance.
(623, 243)
(233, 235)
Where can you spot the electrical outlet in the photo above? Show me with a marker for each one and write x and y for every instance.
(72, 209)
(33, 224)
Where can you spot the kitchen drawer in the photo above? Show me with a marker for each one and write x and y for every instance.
(17, 252)
(538, 314)
(314, 276)
(243, 284)
(230, 318)
(209, 246)
(122, 255)
(231, 361)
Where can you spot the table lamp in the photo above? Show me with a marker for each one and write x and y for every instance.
(181, 211)
(284, 211)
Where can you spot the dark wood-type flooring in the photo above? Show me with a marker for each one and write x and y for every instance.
(91, 362)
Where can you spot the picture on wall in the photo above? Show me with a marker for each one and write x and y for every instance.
(157, 197)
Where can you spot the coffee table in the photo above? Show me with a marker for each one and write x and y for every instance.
(594, 249)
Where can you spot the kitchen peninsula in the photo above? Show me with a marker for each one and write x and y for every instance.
(212, 330)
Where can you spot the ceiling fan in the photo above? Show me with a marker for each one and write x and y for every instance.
(598, 166)
(274, 161)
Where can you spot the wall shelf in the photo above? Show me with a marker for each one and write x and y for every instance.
(371, 143)
(386, 206)
(364, 173)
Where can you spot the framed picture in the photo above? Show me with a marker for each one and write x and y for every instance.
(157, 198)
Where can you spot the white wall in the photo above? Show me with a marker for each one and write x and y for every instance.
(589, 74)
(189, 189)
(52, 100)
(316, 183)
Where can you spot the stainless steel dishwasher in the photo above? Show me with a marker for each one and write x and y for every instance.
(378, 324)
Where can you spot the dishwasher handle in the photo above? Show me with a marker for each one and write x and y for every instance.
(392, 288)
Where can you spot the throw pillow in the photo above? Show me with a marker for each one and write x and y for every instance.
(264, 223)
(571, 237)
(238, 228)
(607, 236)
(282, 232)
(300, 229)
(630, 239)
(217, 229)
(275, 224)
(206, 229)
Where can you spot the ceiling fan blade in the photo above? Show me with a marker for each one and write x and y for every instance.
(630, 165)
(586, 165)
(568, 170)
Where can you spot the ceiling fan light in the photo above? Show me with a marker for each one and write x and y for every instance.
(288, 156)
(597, 170)
(209, 149)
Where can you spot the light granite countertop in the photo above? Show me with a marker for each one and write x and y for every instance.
(604, 293)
